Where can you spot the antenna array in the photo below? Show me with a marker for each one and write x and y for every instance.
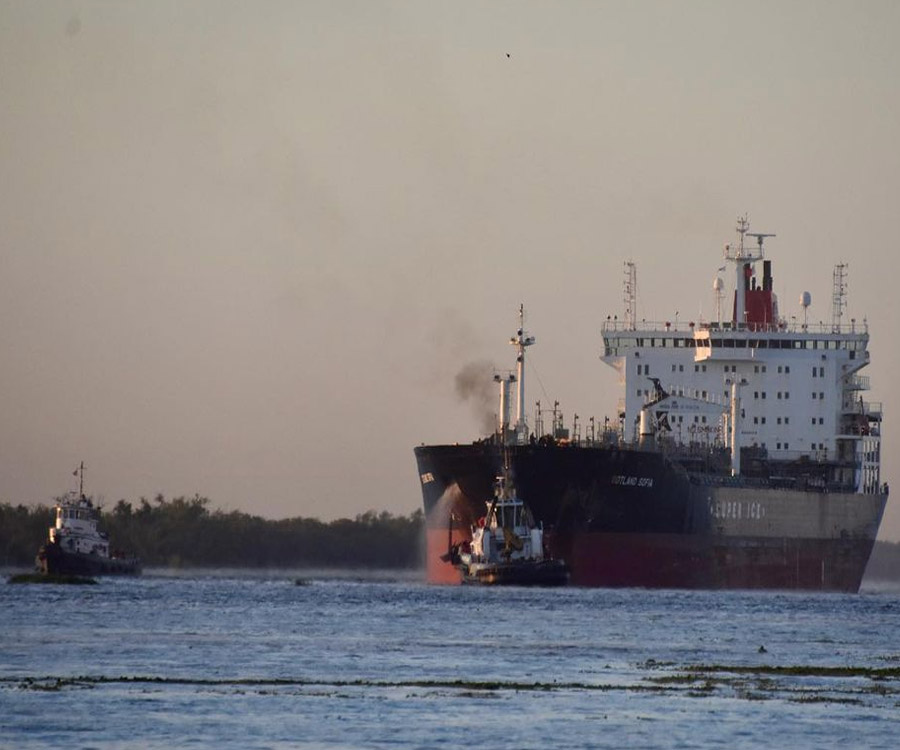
(838, 296)
(630, 294)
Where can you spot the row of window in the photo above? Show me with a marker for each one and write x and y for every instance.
(817, 372)
(730, 343)
(787, 420)
(786, 395)
(787, 446)
(759, 395)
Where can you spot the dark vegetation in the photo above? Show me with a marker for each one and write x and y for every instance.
(185, 532)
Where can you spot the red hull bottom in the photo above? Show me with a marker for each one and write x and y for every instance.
(691, 562)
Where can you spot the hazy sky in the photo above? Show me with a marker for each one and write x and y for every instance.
(245, 247)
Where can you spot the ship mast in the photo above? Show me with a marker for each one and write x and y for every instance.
(520, 341)
(838, 296)
(629, 293)
(743, 258)
(79, 472)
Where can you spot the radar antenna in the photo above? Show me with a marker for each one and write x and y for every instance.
(760, 236)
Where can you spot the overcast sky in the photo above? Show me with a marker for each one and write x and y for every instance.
(245, 247)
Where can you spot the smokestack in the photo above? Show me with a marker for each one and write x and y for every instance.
(504, 382)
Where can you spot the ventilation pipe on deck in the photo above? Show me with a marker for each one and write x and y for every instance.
(736, 427)
(647, 441)
(504, 381)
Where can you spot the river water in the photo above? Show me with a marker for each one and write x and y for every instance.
(237, 660)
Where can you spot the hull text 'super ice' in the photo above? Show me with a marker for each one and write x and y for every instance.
(744, 454)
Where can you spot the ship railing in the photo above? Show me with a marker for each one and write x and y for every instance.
(772, 483)
(857, 382)
(781, 326)
(869, 409)
(856, 431)
(795, 458)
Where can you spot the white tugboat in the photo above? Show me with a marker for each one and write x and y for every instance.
(76, 546)
(507, 546)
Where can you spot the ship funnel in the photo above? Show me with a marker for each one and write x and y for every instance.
(504, 381)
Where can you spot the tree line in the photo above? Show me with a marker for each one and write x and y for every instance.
(186, 532)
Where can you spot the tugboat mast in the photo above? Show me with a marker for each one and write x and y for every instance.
(79, 472)
(520, 341)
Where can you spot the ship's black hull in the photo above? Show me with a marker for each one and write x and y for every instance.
(634, 518)
(53, 560)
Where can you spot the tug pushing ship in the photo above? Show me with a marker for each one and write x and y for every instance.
(743, 453)
(506, 546)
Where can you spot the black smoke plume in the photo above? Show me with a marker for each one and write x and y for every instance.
(475, 385)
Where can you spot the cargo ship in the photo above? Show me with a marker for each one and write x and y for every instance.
(743, 453)
(75, 545)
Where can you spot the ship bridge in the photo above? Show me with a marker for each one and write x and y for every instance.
(799, 382)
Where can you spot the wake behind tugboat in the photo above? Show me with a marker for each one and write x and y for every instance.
(75, 546)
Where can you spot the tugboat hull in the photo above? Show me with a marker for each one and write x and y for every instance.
(524, 573)
(53, 560)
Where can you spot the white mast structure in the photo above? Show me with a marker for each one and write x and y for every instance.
(520, 341)
(742, 256)
(838, 296)
(630, 295)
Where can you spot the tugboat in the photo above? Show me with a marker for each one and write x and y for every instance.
(507, 546)
(76, 546)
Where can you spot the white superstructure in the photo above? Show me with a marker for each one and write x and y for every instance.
(801, 395)
(75, 528)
